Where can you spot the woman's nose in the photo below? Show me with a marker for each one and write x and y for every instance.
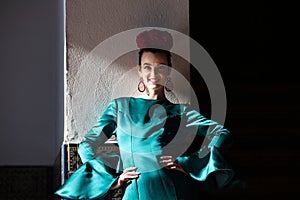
(153, 72)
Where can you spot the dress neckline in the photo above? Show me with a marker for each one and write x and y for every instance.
(149, 100)
(141, 98)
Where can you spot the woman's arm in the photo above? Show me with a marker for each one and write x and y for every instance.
(100, 132)
(207, 158)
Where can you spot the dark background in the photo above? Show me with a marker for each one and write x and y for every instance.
(31, 101)
(253, 44)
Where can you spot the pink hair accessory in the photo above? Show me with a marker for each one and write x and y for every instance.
(154, 39)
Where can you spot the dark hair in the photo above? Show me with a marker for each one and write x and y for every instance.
(154, 50)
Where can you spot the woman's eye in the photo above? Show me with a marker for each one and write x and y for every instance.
(162, 67)
(147, 67)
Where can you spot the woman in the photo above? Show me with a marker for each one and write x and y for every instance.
(161, 152)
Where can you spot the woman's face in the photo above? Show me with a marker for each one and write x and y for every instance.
(154, 70)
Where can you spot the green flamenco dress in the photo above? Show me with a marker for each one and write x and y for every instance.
(146, 129)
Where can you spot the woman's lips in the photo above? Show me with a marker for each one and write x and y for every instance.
(153, 81)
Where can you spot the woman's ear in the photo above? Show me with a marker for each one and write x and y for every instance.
(139, 69)
(169, 70)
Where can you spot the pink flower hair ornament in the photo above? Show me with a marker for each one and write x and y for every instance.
(154, 39)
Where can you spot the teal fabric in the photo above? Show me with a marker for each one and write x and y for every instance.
(146, 129)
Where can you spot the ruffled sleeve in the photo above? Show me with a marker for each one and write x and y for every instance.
(94, 177)
(208, 160)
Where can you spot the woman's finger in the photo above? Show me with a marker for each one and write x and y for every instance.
(166, 161)
(130, 169)
(132, 175)
(165, 157)
(175, 166)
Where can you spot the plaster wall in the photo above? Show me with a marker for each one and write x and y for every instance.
(102, 54)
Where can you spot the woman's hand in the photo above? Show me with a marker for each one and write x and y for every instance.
(168, 162)
(126, 175)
